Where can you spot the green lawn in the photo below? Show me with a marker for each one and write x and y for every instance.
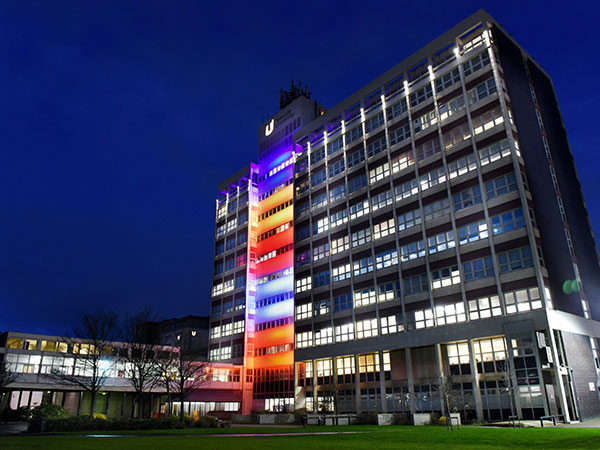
(370, 438)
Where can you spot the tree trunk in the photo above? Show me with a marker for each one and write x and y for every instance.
(93, 405)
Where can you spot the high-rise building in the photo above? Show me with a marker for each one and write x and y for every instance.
(427, 233)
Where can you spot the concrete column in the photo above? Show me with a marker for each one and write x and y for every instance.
(560, 390)
(123, 401)
(79, 403)
(411, 386)
(107, 403)
(475, 377)
(382, 383)
(440, 377)
(357, 385)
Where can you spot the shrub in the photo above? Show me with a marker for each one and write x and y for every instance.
(206, 422)
(300, 414)
(85, 423)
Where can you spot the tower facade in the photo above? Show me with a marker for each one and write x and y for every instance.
(427, 233)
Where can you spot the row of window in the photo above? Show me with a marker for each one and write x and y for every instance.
(481, 123)
(515, 301)
(275, 210)
(227, 329)
(274, 253)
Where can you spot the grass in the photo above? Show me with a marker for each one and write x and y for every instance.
(368, 437)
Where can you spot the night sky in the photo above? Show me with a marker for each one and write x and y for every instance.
(119, 119)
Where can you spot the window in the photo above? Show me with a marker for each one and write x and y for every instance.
(478, 268)
(359, 209)
(388, 291)
(319, 200)
(451, 313)
(447, 80)
(339, 245)
(324, 336)
(397, 109)
(304, 339)
(362, 266)
(320, 225)
(409, 219)
(402, 161)
(379, 173)
(501, 185)
(423, 318)
(240, 281)
(317, 178)
(336, 168)
(238, 326)
(302, 257)
(321, 251)
(421, 95)
(427, 149)
(425, 121)
(365, 296)
(415, 284)
(337, 192)
(334, 146)
(517, 259)
(441, 242)
(368, 366)
(490, 355)
(458, 358)
(472, 232)
(220, 248)
(494, 152)
(476, 63)
(219, 268)
(230, 263)
(321, 279)
(383, 229)
(356, 157)
(406, 189)
(317, 155)
(354, 134)
(466, 198)
(374, 122)
(461, 166)
(508, 221)
(357, 183)
(366, 328)
(447, 276)
(391, 324)
(230, 243)
(344, 332)
(221, 230)
(302, 232)
(412, 251)
(361, 237)
(303, 285)
(381, 200)
(452, 107)
(342, 301)
(485, 307)
(433, 178)
(456, 135)
(231, 225)
(242, 239)
(522, 300)
(487, 120)
(482, 91)
(341, 273)
(322, 307)
(376, 147)
(399, 134)
(304, 311)
(385, 259)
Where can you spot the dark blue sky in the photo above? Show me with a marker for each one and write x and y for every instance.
(118, 119)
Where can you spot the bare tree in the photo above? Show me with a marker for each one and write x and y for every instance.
(165, 376)
(188, 375)
(6, 377)
(92, 347)
(140, 355)
(507, 384)
(450, 396)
